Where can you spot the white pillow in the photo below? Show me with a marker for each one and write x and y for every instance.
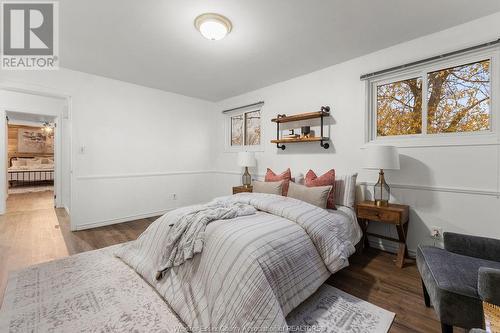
(298, 178)
(18, 163)
(33, 163)
(317, 195)
(21, 161)
(267, 187)
(345, 190)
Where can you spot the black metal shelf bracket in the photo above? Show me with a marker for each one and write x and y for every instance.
(282, 147)
(323, 144)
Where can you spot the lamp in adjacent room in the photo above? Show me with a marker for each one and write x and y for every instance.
(246, 159)
(382, 158)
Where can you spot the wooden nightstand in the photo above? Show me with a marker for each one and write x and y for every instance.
(240, 189)
(397, 215)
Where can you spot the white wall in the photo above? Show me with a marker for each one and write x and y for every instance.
(450, 187)
(141, 145)
(144, 145)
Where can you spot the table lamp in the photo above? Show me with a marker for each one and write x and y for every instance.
(246, 159)
(381, 157)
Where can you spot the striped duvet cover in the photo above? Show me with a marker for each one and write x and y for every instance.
(253, 269)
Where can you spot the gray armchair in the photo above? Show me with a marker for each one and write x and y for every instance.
(456, 278)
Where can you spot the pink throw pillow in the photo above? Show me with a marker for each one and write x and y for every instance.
(328, 178)
(286, 177)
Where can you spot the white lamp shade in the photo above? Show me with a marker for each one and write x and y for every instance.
(246, 159)
(382, 157)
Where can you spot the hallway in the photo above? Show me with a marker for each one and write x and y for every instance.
(32, 231)
(29, 232)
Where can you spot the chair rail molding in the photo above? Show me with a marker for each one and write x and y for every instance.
(462, 190)
(144, 174)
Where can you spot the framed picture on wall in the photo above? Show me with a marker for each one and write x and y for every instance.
(34, 141)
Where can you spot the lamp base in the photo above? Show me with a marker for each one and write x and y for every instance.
(381, 191)
(246, 179)
(381, 203)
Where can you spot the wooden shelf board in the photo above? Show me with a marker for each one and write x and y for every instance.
(301, 116)
(315, 139)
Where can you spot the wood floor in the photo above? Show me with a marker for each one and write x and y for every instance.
(32, 231)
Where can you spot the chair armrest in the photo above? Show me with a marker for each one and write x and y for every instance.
(472, 246)
(488, 285)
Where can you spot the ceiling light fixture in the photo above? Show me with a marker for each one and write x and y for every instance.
(48, 129)
(213, 26)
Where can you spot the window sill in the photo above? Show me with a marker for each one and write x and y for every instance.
(488, 139)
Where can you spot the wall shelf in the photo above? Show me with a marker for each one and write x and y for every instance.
(314, 139)
(282, 118)
(302, 116)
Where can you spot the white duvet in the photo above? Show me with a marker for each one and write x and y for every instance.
(253, 269)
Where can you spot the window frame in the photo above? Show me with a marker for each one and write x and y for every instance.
(439, 139)
(227, 131)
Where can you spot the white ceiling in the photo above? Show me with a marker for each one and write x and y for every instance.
(154, 43)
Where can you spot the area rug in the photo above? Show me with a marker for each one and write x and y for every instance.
(332, 310)
(96, 292)
(87, 292)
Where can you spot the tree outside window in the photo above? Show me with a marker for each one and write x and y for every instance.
(245, 129)
(458, 99)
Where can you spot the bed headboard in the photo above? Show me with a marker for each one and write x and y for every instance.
(25, 156)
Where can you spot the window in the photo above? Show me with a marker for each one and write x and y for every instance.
(459, 99)
(399, 108)
(244, 130)
(237, 130)
(449, 98)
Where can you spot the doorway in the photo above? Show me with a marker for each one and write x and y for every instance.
(43, 122)
(31, 168)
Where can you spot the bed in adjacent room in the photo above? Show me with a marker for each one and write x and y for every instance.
(24, 171)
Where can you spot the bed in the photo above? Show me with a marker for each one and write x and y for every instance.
(254, 269)
(30, 171)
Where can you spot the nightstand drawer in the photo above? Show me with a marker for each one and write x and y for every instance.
(375, 214)
(242, 189)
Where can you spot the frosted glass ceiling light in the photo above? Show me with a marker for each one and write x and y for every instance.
(213, 26)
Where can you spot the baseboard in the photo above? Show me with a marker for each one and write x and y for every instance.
(388, 246)
(129, 218)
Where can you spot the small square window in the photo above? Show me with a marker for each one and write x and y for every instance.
(244, 130)
(237, 130)
(252, 128)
